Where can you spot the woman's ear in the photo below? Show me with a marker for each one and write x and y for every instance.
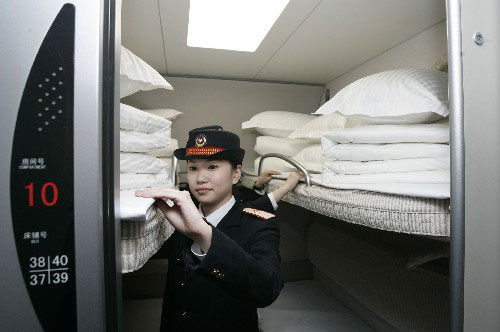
(236, 174)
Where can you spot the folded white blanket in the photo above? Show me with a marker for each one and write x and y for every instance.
(137, 181)
(417, 133)
(134, 141)
(131, 162)
(135, 208)
(365, 152)
(386, 166)
(427, 190)
(442, 176)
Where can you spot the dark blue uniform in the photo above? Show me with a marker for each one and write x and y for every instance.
(240, 273)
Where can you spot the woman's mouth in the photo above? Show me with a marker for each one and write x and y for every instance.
(202, 191)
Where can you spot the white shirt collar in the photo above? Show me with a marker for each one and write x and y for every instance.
(215, 217)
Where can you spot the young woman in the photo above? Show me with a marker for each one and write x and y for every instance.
(224, 258)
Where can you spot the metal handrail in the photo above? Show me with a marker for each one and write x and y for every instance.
(288, 160)
(174, 172)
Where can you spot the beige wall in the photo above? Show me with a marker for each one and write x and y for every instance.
(420, 51)
(226, 102)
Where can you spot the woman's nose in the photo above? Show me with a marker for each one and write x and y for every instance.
(201, 178)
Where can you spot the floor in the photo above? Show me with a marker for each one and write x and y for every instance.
(301, 306)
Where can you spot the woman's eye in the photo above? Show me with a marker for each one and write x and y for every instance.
(213, 167)
(192, 168)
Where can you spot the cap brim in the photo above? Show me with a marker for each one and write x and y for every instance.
(235, 154)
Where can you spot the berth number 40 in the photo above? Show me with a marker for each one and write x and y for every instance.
(48, 186)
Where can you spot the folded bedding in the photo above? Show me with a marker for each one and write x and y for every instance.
(131, 162)
(137, 181)
(366, 152)
(134, 141)
(135, 208)
(373, 134)
(438, 176)
(387, 166)
(425, 190)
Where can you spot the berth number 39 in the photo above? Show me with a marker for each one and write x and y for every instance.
(48, 270)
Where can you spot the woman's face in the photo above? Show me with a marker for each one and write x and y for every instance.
(211, 181)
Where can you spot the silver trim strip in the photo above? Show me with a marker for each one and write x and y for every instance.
(457, 146)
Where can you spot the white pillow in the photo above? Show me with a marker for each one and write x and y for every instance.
(168, 114)
(135, 75)
(311, 158)
(134, 141)
(316, 128)
(277, 123)
(140, 163)
(167, 151)
(134, 119)
(137, 181)
(402, 95)
(288, 147)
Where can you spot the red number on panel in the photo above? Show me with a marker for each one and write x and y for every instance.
(44, 194)
(30, 194)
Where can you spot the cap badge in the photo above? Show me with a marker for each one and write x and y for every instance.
(200, 141)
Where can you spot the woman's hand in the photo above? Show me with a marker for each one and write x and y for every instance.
(184, 215)
(292, 180)
(265, 177)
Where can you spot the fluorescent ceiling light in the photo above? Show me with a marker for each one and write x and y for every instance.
(238, 25)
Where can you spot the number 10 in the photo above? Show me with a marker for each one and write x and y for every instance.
(31, 200)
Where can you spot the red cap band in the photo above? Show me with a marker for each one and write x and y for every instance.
(202, 151)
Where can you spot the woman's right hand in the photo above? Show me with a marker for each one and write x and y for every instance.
(184, 215)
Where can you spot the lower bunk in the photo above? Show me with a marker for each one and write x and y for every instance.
(389, 276)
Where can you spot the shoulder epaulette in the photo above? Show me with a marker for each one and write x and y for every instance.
(258, 213)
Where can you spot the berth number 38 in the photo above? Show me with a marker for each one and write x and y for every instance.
(48, 270)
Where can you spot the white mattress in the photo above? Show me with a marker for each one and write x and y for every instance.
(398, 213)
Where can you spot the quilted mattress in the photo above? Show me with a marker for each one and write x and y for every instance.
(142, 239)
(404, 214)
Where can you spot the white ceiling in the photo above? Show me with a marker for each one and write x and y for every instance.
(313, 41)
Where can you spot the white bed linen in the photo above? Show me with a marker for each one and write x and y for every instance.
(417, 133)
(441, 176)
(135, 208)
(134, 141)
(131, 162)
(365, 152)
(425, 190)
(387, 166)
(137, 181)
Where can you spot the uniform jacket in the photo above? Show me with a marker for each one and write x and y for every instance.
(240, 272)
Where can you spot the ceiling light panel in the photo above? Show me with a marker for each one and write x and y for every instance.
(238, 25)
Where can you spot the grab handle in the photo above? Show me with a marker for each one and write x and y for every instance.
(288, 160)
(174, 172)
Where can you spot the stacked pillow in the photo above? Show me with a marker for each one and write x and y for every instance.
(140, 133)
(399, 143)
(280, 134)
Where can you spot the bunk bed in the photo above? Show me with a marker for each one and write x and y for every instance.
(404, 214)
